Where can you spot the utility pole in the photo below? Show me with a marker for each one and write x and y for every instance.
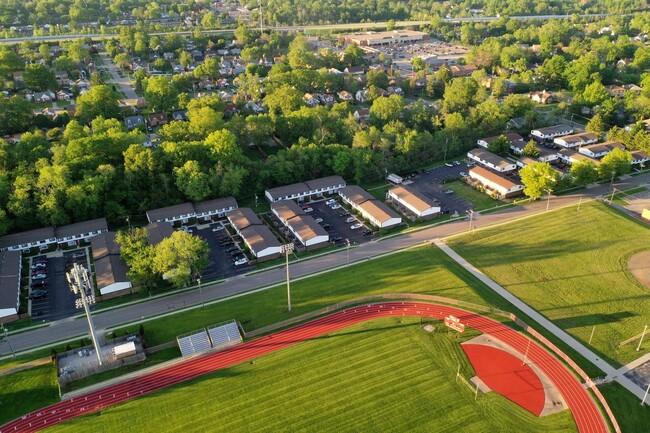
(347, 243)
(471, 218)
(4, 332)
(286, 249)
(80, 285)
(548, 201)
(200, 291)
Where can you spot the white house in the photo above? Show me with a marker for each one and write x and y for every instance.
(311, 188)
(180, 212)
(370, 208)
(569, 156)
(218, 207)
(576, 140)
(512, 137)
(259, 239)
(491, 160)
(414, 201)
(639, 157)
(500, 186)
(600, 149)
(304, 227)
(551, 132)
(72, 233)
(9, 284)
(110, 269)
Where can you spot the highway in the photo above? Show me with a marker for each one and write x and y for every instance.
(348, 26)
(69, 329)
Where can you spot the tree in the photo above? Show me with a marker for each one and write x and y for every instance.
(552, 70)
(538, 178)
(584, 172)
(615, 163)
(301, 54)
(15, 115)
(531, 150)
(500, 145)
(39, 77)
(459, 95)
(161, 93)
(98, 101)
(192, 181)
(386, 109)
(223, 147)
(283, 100)
(181, 258)
(204, 120)
(594, 94)
(596, 125)
(138, 255)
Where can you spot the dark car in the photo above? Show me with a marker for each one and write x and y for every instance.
(336, 238)
(39, 259)
(367, 232)
(231, 249)
(235, 253)
(38, 294)
(78, 255)
(226, 242)
(39, 284)
(327, 226)
(237, 257)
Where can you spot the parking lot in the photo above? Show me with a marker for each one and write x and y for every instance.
(220, 261)
(430, 183)
(59, 302)
(334, 221)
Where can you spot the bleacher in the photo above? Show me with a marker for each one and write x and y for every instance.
(225, 334)
(195, 342)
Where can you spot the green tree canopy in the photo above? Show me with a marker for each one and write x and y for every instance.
(584, 172)
(614, 164)
(538, 178)
(98, 101)
(531, 150)
(500, 145)
(181, 258)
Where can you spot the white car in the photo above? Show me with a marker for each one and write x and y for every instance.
(356, 226)
(330, 202)
(318, 220)
(242, 261)
(217, 228)
(463, 174)
(350, 219)
(308, 209)
(336, 206)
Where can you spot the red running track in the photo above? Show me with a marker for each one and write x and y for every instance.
(585, 411)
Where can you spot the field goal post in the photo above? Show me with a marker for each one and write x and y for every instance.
(467, 383)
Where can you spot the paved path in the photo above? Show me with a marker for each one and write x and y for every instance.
(584, 409)
(123, 82)
(241, 285)
(544, 322)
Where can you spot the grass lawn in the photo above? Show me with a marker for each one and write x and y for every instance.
(571, 266)
(27, 390)
(375, 376)
(478, 199)
(621, 196)
(631, 416)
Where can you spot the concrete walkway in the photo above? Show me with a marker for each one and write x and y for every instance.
(610, 371)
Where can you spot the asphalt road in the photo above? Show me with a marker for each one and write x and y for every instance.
(123, 82)
(348, 26)
(240, 284)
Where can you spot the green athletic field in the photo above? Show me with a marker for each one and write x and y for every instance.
(27, 390)
(571, 266)
(377, 376)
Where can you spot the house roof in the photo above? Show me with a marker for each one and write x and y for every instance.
(174, 211)
(526, 160)
(302, 188)
(156, 232)
(511, 136)
(104, 244)
(325, 182)
(378, 210)
(413, 197)
(556, 129)
(492, 177)
(215, 205)
(82, 227)
(490, 157)
(639, 155)
(306, 227)
(259, 237)
(581, 138)
(607, 146)
(9, 278)
(355, 194)
(287, 209)
(576, 156)
(243, 217)
(27, 237)
(110, 269)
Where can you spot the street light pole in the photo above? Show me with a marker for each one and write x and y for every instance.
(347, 243)
(286, 249)
(3, 337)
(548, 201)
(471, 217)
(200, 291)
(80, 285)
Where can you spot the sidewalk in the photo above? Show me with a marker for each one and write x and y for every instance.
(610, 371)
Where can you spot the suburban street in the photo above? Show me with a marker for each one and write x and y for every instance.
(69, 328)
(123, 82)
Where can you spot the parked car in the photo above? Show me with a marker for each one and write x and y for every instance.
(78, 254)
(235, 253)
(330, 202)
(327, 226)
(356, 226)
(308, 209)
(241, 262)
(38, 294)
(39, 284)
(231, 249)
(456, 162)
(463, 174)
(449, 191)
(336, 206)
(39, 265)
(39, 277)
(366, 233)
(449, 164)
(350, 219)
(39, 259)
(217, 228)
(336, 238)
(318, 220)
(226, 242)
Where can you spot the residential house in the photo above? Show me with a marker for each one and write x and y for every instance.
(180, 212)
(369, 207)
(633, 88)
(42, 238)
(569, 156)
(180, 115)
(157, 119)
(345, 96)
(551, 132)
(110, 269)
(44, 97)
(615, 91)
(326, 99)
(600, 149)
(542, 97)
(491, 160)
(355, 70)
(9, 285)
(494, 184)
(73, 234)
(259, 239)
(512, 137)
(639, 157)
(133, 122)
(462, 70)
(306, 190)
(62, 96)
(413, 201)
(303, 226)
(576, 140)
(218, 207)
(311, 100)
(362, 114)
(361, 95)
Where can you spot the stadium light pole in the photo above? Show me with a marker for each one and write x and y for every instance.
(286, 249)
(347, 243)
(4, 332)
(80, 285)
(200, 290)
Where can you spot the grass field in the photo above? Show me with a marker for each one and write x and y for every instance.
(571, 266)
(631, 416)
(477, 198)
(376, 376)
(27, 390)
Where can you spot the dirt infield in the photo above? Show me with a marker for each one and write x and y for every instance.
(639, 266)
(585, 411)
